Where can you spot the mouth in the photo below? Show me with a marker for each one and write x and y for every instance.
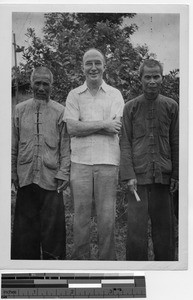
(93, 74)
(152, 88)
(41, 96)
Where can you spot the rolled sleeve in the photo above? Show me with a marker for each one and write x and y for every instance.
(118, 105)
(72, 108)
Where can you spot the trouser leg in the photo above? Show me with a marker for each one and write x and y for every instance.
(105, 184)
(82, 191)
(162, 219)
(26, 229)
(53, 231)
(137, 222)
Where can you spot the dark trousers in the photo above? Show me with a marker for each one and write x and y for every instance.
(157, 202)
(39, 225)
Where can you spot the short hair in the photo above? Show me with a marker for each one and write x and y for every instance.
(41, 70)
(150, 63)
(104, 60)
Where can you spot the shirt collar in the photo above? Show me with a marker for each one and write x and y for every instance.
(40, 104)
(84, 87)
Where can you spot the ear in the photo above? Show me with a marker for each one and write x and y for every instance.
(82, 67)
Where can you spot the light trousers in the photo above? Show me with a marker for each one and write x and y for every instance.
(98, 183)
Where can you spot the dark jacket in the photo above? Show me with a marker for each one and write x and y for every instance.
(150, 140)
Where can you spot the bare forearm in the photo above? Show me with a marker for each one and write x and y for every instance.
(64, 153)
(104, 132)
(79, 128)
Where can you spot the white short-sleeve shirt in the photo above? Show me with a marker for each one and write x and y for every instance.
(82, 106)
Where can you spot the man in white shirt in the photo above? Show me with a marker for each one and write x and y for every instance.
(93, 115)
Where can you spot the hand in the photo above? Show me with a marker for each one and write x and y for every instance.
(173, 185)
(62, 185)
(15, 182)
(112, 125)
(132, 185)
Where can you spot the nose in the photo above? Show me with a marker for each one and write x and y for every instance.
(41, 87)
(152, 80)
(93, 66)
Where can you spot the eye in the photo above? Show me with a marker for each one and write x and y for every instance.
(98, 63)
(156, 77)
(147, 77)
(45, 84)
(37, 82)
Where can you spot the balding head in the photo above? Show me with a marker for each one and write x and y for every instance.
(93, 51)
(93, 68)
(41, 82)
(43, 72)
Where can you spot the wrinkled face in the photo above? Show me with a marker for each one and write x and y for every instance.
(151, 81)
(41, 86)
(93, 67)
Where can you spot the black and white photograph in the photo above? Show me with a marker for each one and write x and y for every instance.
(96, 172)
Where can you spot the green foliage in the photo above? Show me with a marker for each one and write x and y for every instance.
(68, 35)
(170, 86)
(113, 18)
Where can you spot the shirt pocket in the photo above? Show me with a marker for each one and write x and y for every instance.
(140, 163)
(138, 130)
(25, 152)
(50, 154)
(163, 127)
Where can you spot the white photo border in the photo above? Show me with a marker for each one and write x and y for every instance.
(5, 134)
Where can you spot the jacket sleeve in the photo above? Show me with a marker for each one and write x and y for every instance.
(64, 151)
(174, 141)
(126, 163)
(15, 142)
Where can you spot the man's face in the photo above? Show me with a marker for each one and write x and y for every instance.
(93, 67)
(151, 81)
(41, 86)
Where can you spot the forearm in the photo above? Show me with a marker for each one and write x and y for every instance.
(126, 162)
(14, 153)
(80, 128)
(104, 132)
(64, 154)
(174, 143)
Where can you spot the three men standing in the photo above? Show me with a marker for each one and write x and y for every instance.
(149, 164)
(93, 115)
(40, 171)
(41, 163)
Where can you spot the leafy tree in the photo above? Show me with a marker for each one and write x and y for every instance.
(66, 38)
(113, 18)
(170, 86)
(68, 35)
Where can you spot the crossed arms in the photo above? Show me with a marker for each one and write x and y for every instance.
(85, 128)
